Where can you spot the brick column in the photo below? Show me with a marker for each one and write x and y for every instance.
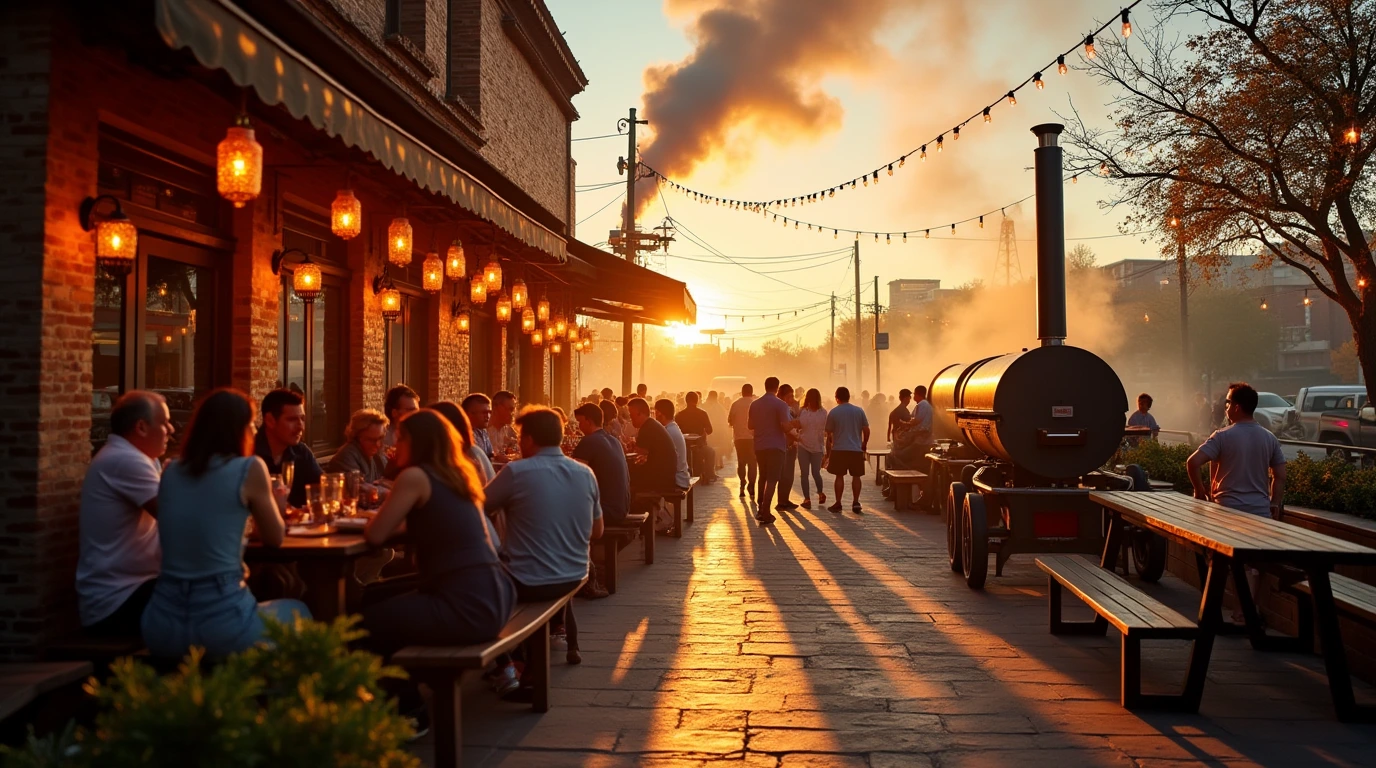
(255, 365)
(367, 329)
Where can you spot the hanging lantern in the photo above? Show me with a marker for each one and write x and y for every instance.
(492, 274)
(555, 347)
(464, 321)
(432, 273)
(346, 215)
(542, 311)
(520, 297)
(587, 344)
(503, 308)
(399, 242)
(391, 303)
(305, 281)
(573, 333)
(561, 326)
(478, 291)
(239, 164)
(527, 320)
(117, 239)
(455, 267)
(536, 338)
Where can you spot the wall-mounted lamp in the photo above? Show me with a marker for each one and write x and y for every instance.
(117, 239)
(460, 316)
(305, 277)
(388, 296)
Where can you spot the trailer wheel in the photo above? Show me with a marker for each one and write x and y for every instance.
(974, 532)
(955, 510)
(1149, 552)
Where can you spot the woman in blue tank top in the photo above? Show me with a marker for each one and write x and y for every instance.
(204, 502)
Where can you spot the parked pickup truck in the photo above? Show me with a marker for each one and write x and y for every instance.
(1346, 427)
(1313, 401)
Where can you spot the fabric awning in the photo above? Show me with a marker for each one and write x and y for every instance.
(609, 287)
(223, 36)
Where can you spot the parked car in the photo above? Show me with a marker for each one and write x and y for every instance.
(1313, 401)
(1271, 410)
(1347, 427)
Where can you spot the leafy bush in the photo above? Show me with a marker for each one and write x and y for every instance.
(1331, 484)
(304, 698)
(1160, 460)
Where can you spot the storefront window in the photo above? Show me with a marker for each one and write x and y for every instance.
(317, 376)
(107, 358)
(177, 345)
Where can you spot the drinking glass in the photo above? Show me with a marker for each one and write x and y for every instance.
(288, 473)
(353, 481)
(315, 506)
(332, 491)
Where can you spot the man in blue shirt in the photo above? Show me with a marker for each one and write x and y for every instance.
(848, 435)
(279, 442)
(607, 459)
(769, 419)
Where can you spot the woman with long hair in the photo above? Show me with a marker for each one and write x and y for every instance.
(812, 423)
(204, 502)
(460, 594)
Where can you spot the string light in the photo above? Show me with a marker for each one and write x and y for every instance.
(939, 141)
(987, 117)
(1060, 65)
(1089, 47)
(1353, 135)
(923, 156)
(1039, 82)
(981, 222)
(1012, 99)
(890, 169)
(927, 234)
(1307, 300)
(955, 133)
(1127, 25)
(1264, 305)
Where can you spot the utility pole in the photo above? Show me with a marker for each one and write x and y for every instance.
(877, 385)
(855, 248)
(1184, 275)
(631, 165)
(831, 363)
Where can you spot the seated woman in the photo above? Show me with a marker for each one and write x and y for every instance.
(461, 593)
(362, 450)
(204, 502)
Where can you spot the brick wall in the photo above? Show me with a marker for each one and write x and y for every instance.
(254, 354)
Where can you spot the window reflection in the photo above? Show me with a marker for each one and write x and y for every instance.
(178, 302)
(107, 363)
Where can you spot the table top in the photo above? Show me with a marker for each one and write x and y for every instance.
(297, 547)
(878, 451)
(1227, 531)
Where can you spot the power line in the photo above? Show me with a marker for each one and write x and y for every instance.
(604, 136)
(621, 196)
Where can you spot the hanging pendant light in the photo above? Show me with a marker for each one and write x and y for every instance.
(346, 215)
(542, 310)
(432, 273)
(536, 338)
(239, 164)
(561, 326)
(520, 297)
(527, 320)
(573, 333)
(492, 274)
(455, 265)
(555, 347)
(399, 242)
(503, 308)
(478, 291)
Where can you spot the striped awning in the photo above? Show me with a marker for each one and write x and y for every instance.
(222, 36)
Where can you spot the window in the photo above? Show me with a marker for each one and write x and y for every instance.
(480, 346)
(404, 30)
(408, 346)
(314, 340)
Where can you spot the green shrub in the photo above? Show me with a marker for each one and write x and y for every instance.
(1161, 461)
(304, 698)
(1331, 484)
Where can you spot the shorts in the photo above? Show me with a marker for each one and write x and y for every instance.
(847, 462)
(771, 461)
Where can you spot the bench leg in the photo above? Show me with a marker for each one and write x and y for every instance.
(609, 551)
(678, 519)
(1334, 654)
(537, 667)
(647, 534)
(1130, 670)
(1210, 616)
(689, 517)
(1059, 627)
(445, 718)
(902, 497)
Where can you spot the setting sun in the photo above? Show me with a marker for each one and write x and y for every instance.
(684, 335)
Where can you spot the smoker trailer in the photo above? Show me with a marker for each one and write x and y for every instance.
(1022, 436)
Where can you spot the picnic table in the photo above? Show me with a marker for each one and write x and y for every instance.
(878, 454)
(1228, 542)
(325, 564)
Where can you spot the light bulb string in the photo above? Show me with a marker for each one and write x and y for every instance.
(935, 142)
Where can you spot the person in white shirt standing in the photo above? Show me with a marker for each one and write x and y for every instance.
(739, 420)
(119, 551)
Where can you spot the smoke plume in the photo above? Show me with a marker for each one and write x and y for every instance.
(756, 71)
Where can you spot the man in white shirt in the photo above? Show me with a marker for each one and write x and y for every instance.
(499, 430)
(119, 551)
(739, 420)
(664, 414)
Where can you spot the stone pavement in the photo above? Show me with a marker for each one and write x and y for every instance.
(844, 640)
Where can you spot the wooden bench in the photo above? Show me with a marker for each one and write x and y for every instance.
(677, 498)
(22, 683)
(442, 668)
(1134, 613)
(903, 481)
(1351, 597)
(688, 497)
(615, 537)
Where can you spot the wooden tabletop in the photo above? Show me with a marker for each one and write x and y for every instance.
(878, 451)
(297, 547)
(1227, 531)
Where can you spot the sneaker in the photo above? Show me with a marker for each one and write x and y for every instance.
(593, 590)
(835, 508)
(821, 498)
(573, 657)
(807, 504)
(857, 509)
(764, 517)
(788, 506)
(558, 639)
(506, 680)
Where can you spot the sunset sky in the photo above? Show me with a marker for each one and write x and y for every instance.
(886, 80)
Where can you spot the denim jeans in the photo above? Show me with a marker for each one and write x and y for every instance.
(218, 613)
(810, 463)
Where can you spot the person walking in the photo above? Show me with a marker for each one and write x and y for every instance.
(1248, 467)
(812, 424)
(848, 435)
(769, 420)
(738, 418)
(785, 504)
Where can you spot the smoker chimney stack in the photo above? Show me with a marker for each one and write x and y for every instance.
(1050, 191)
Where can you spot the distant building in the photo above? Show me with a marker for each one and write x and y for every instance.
(908, 294)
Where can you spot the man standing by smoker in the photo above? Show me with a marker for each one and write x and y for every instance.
(848, 435)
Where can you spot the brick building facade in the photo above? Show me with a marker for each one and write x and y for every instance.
(99, 101)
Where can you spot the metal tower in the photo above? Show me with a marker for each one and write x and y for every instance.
(1007, 269)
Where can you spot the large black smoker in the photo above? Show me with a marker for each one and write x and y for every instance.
(1023, 435)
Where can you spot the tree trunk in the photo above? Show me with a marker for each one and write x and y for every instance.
(1364, 338)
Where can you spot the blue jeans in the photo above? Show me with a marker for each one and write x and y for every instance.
(218, 613)
(810, 463)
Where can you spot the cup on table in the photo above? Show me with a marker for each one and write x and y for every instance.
(288, 473)
(332, 491)
(353, 483)
(314, 511)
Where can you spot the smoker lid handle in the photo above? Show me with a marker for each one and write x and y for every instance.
(973, 413)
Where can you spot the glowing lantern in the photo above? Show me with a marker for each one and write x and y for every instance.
(503, 308)
(464, 321)
(391, 303)
(492, 274)
(520, 297)
(399, 242)
(542, 311)
(117, 239)
(305, 281)
(455, 267)
(561, 327)
(555, 347)
(573, 333)
(346, 215)
(536, 338)
(478, 291)
(527, 320)
(239, 164)
(432, 273)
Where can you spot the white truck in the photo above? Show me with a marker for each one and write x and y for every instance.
(1313, 401)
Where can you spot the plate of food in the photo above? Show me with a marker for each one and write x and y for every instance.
(311, 529)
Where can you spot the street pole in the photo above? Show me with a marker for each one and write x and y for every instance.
(628, 251)
(855, 248)
(877, 385)
(1184, 273)
(831, 363)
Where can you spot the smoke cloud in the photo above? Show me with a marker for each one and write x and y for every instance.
(756, 72)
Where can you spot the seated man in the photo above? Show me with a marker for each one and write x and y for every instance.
(695, 421)
(664, 414)
(553, 512)
(605, 457)
(478, 408)
(119, 552)
(279, 442)
(499, 430)
(655, 469)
